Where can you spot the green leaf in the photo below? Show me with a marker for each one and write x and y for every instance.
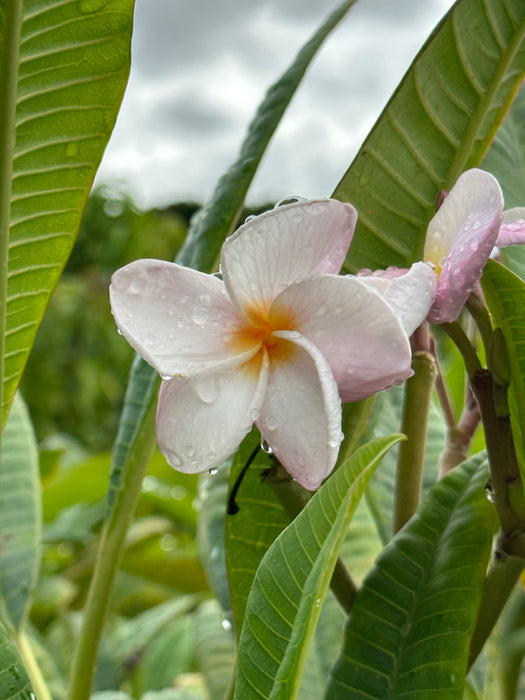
(20, 514)
(218, 218)
(409, 632)
(439, 122)
(505, 296)
(215, 648)
(73, 68)
(250, 532)
(505, 158)
(293, 579)
(213, 494)
(14, 681)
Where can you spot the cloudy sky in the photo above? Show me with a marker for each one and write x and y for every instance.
(201, 67)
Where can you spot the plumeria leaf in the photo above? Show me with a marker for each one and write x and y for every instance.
(439, 123)
(219, 216)
(293, 579)
(20, 514)
(505, 295)
(14, 681)
(135, 441)
(72, 71)
(251, 530)
(215, 648)
(416, 609)
(505, 158)
(213, 494)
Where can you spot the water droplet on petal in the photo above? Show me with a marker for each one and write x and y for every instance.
(226, 625)
(174, 460)
(271, 423)
(190, 452)
(138, 285)
(207, 389)
(213, 471)
(254, 414)
(265, 447)
(294, 199)
(166, 377)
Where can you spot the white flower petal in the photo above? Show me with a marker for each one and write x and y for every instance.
(179, 320)
(201, 421)
(281, 246)
(411, 295)
(301, 414)
(356, 330)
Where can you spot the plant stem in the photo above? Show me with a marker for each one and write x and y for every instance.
(463, 344)
(502, 576)
(12, 26)
(110, 550)
(35, 674)
(418, 394)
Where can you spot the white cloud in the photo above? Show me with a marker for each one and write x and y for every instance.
(201, 68)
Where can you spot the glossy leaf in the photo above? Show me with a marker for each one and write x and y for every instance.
(14, 681)
(409, 632)
(505, 158)
(505, 296)
(439, 123)
(293, 579)
(73, 67)
(250, 532)
(20, 514)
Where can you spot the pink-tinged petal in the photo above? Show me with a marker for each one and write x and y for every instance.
(512, 230)
(463, 233)
(355, 329)
(179, 320)
(271, 251)
(201, 421)
(467, 222)
(301, 414)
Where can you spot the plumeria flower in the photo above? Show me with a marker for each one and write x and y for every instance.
(279, 341)
(462, 235)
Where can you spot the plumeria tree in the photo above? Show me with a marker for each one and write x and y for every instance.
(344, 376)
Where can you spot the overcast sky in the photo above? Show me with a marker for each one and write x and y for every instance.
(201, 67)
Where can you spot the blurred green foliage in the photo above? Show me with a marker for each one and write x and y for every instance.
(76, 374)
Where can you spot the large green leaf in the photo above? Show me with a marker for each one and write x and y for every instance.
(20, 514)
(505, 296)
(293, 579)
(14, 681)
(73, 67)
(505, 158)
(409, 631)
(439, 122)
